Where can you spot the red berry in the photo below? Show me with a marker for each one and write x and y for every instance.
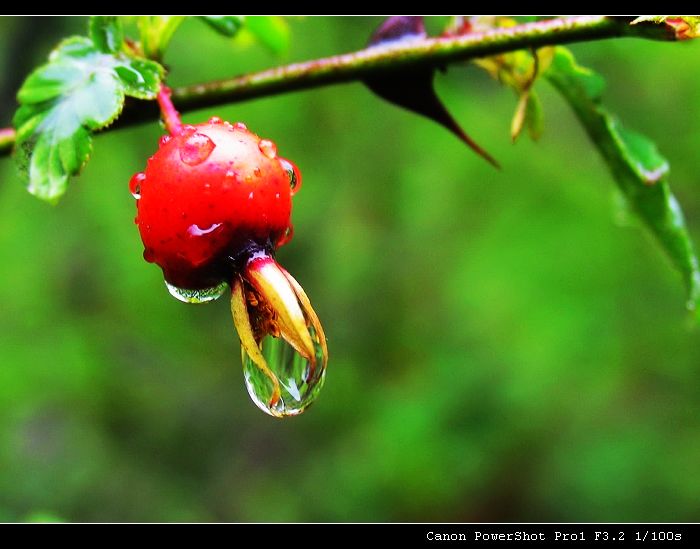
(210, 197)
(213, 205)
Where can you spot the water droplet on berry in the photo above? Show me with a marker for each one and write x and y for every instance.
(240, 126)
(215, 120)
(196, 149)
(268, 148)
(257, 171)
(286, 237)
(293, 174)
(135, 184)
(197, 296)
(196, 230)
(299, 381)
(163, 140)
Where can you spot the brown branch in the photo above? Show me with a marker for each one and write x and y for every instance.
(364, 63)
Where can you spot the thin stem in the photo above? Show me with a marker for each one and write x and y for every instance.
(360, 64)
(171, 117)
(430, 52)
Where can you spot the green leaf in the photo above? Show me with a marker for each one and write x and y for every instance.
(528, 114)
(272, 31)
(520, 71)
(228, 25)
(534, 116)
(80, 90)
(140, 77)
(637, 166)
(682, 27)
(106, 33)
(156, 32)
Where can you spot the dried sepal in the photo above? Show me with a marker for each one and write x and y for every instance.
(266, 277)
(241, 319)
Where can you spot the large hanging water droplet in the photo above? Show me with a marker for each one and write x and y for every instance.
(196, 149)
(197, 296)
(292, 382)
(293, 175)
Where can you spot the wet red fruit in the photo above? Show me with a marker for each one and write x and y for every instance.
(213, 205)
(209, 197)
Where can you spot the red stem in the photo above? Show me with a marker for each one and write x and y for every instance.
(170, 115)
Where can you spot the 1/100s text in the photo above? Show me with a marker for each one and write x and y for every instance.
(477, 535)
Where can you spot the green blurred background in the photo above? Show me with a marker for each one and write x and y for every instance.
(501, 350)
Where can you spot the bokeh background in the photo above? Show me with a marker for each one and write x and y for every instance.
(501, 349)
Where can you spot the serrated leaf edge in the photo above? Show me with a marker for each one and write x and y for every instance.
(30, 127)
